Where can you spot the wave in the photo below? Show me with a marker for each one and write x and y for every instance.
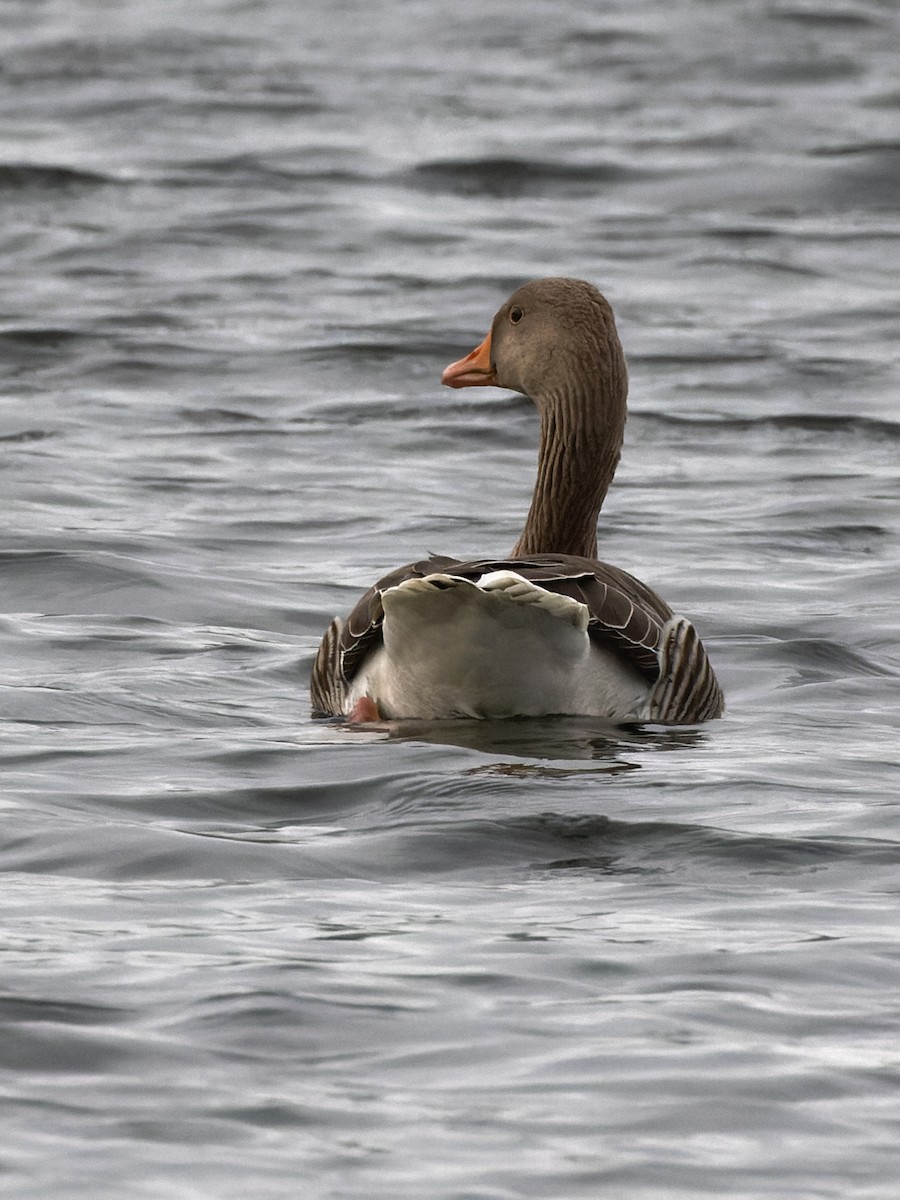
(35, 177)
(508, 177)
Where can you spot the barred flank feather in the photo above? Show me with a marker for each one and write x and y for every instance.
(328, 688)
(687, 690)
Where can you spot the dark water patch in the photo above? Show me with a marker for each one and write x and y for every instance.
(235, 1014)
(799, 73)
(834, 17)
(430, 843)
(272, 807)
(270, 1115)
(769, 264)
(150, 321)
(160, 53)
(867, 428)
(104, 352)
(890, 149)
(609, 844)
(773, 195)
(382, 348)
(396, 377)
(128, 853)
(102, 562)
(249, 170)
(504, 178)
(611, 36)
(495, 410)
(603, 49)
(836, 370)
(845, 536)
(145, 363)
(134, 635)
(259, 101)
(18, 1009)
(264, 230)
(177, 482)
(870, 180)
(712, 357)
(67, 1050)
(24, 436)
(224, 421)
(435, 846)
(67, 581)
(819, 659)
(51, 179)
(740, 232)
(38, 346)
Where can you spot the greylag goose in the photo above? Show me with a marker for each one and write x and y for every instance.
(549, 630)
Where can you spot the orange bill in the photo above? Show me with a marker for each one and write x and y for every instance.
(474, 370)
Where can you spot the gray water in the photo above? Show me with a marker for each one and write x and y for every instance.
(246, 954)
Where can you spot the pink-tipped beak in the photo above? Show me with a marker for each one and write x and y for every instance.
(474, 370)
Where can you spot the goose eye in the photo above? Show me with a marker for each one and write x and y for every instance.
(515, 315)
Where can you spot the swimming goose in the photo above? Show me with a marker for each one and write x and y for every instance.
(549, 630)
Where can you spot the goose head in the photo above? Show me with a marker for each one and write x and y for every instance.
(550, 337)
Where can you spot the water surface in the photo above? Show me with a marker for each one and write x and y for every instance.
(247, 953)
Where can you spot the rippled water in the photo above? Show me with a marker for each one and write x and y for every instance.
(248, 954)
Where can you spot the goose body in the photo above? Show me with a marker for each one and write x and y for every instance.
(551, 629)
